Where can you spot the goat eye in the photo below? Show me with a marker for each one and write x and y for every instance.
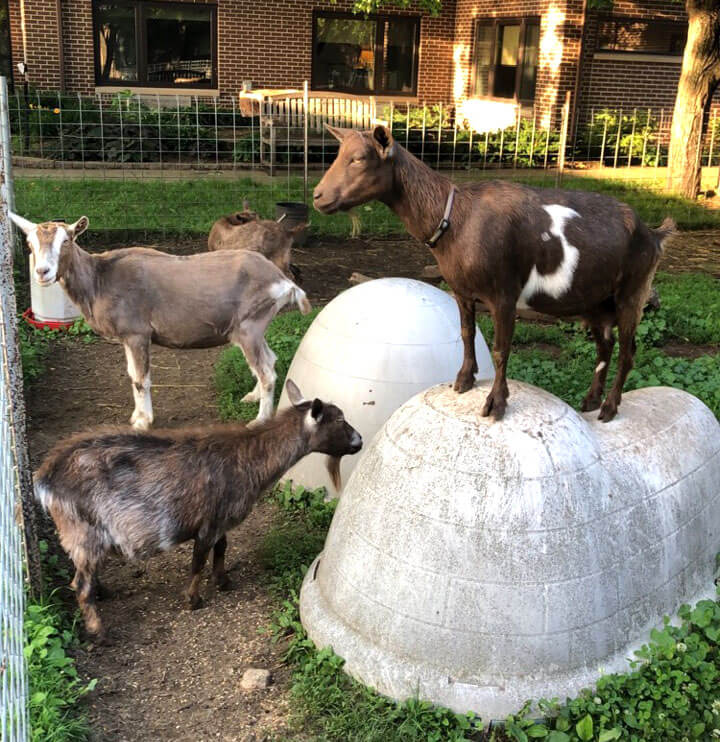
(357, 160)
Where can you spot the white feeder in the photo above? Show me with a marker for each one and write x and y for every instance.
(50, 303)
(477, 564)
(372, 348)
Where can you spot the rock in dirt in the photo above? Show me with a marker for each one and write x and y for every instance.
(255, 678)
(358, 278)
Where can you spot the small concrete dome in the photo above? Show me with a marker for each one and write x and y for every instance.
(478, 564)
(372, 348)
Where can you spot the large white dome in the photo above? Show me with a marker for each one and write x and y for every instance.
(372, 348)
(478, 563)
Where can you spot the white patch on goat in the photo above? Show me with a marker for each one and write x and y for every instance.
(310, 422)
(43, 495)
(600, 367)
(142, 416)
(557, 283)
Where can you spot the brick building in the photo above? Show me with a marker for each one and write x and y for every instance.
(519, 51)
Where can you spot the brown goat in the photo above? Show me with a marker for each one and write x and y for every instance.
(141, 493)
(563, 253)
(141, 296)
(244, 230)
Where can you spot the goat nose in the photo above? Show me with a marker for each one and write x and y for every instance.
(317, 194)
(42, 270)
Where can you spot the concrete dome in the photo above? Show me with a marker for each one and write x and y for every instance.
(372, 348)
(478, 564)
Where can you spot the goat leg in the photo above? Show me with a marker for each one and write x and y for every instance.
(605, 341)
(201, 549)
(222, 582)
(628, 318)
(466, 376)
(503, 315)
(137, 352)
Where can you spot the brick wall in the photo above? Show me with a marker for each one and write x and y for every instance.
(560, 38)
(41, 35)
(268, 42)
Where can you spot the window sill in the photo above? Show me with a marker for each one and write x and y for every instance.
(140, 90)
(638, 57)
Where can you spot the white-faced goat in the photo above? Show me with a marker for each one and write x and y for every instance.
(244, 230)
(140, 493)
(141, 296)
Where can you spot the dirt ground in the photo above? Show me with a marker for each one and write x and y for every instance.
(171, 674)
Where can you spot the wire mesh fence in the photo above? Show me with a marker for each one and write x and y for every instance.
(15, 485)
(170, 165)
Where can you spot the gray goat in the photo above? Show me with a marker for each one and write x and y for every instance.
(141, 296)
(140, 493)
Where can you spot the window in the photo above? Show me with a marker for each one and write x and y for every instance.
(155, 44)
(365, 54)
(506, 58)
(642, 36)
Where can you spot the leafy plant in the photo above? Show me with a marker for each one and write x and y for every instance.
(55, 686)
(33, 349)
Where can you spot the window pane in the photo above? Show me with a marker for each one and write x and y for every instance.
(637, 35)
(179, 44)
(483, 58)
(530, 60)
(400, 36)
(5, 55)
(116, 47)
(344, 54)
(506, 59)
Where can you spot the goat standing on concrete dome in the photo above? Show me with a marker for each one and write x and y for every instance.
(141, 296)
(140, 493)
(564, 253)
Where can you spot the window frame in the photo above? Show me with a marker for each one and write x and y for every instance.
(618, 20)
(494, 23)
(380, 20)
(142, 51)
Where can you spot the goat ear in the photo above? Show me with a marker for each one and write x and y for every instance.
(79, 227)
(24, 224)
(337, 132)
(317, 410)
(383, 141)
(294, 394)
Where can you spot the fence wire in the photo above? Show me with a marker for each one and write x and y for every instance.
(15, 483)
(169, 165)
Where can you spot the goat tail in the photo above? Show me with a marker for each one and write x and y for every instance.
(300, 299)
(43, 494)
(665, 231)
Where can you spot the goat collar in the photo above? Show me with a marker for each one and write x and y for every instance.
(444, 222)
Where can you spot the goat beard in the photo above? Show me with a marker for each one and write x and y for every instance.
(333, 467)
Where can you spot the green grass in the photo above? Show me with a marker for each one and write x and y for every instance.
(189, 207)
(55, 688)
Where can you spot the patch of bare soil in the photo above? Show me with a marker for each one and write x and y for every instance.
(172, 674)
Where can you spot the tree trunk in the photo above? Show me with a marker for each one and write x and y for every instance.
(698, 80)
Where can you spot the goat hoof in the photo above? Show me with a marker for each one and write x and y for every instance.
(494, 407)
(223, 583)
(590, 403)
(142, 423)
(463, 383)
(195, 602)
(607, 411)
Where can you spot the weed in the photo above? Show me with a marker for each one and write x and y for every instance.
(55, 686)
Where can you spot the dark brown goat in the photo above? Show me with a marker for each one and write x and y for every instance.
(564, 253)
(244, 230)
(140, 493)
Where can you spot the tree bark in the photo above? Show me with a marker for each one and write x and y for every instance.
(698, 81)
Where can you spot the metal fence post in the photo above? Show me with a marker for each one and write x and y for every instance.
(306, 111)
(5, 142)
(16, 504)
(563, 138)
